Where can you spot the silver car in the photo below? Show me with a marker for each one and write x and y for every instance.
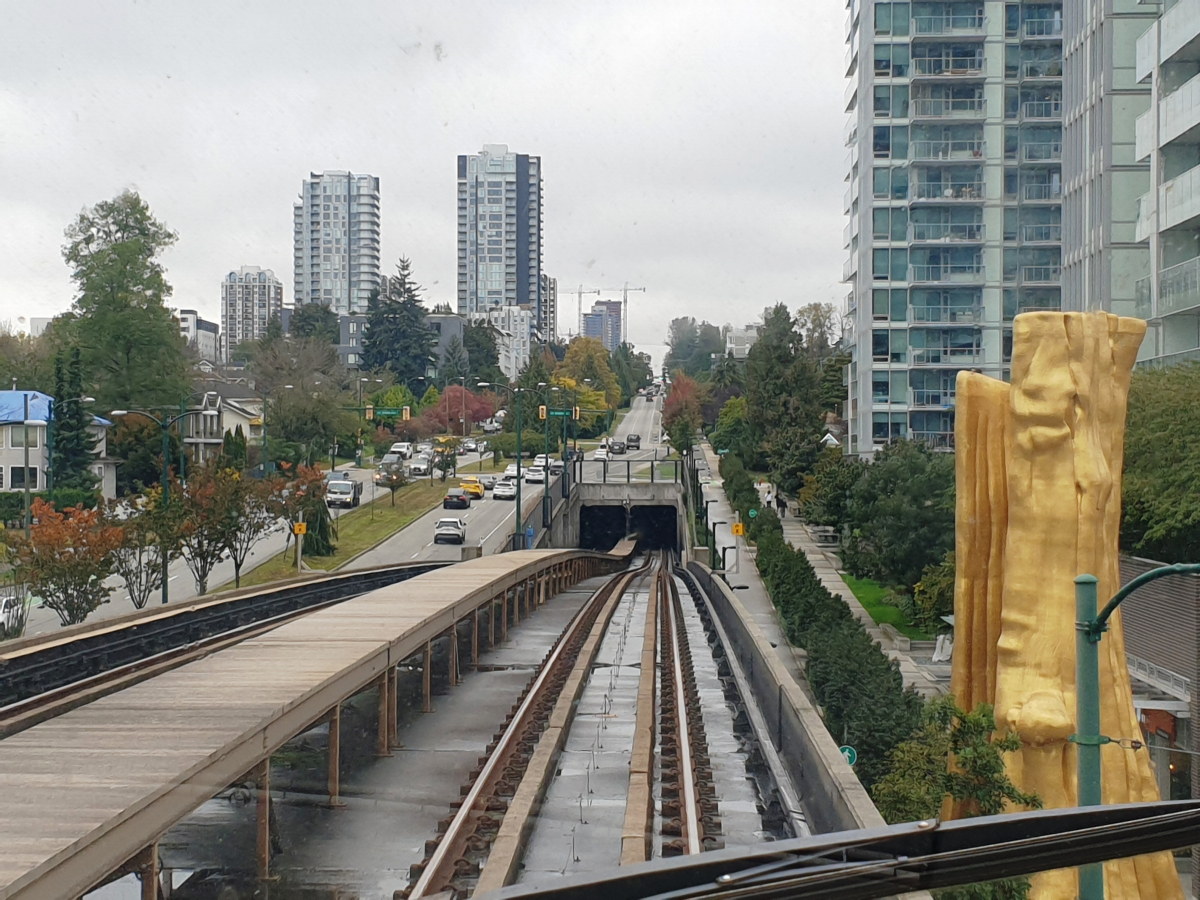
(450, 531)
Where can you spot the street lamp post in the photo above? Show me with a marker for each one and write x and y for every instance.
(1089, 629)
(712, 546)
(516, 392)
(164, 425)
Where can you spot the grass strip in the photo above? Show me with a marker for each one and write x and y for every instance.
(871, 595)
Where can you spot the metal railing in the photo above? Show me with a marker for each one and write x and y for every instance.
(943, 272)
(1042, 152)
(941, 66)
(1179, 287)
(945, 232)
(1042, 68)
(1041, 109)
(949, 107)
(945, 356)
(1041, 191)
(940, 190)
(1143, 301)
(1041, 274)
(973, 23)
(934, 150)
(1041, 233)
(940, 399)
(935, 440)
(1035, 28)
(966, 315)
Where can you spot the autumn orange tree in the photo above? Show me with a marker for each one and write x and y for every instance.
(249, 514)
(681, 414)
(147, 535)
(67, 559)
(199, 511)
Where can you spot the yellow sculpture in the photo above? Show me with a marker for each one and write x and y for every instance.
(1039, 502)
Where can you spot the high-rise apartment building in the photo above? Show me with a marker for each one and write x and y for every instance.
(604, 323)
(1168, 213)
(336, 241)
(548, 309)
(250, 298)
(954, 198)
(499, 231)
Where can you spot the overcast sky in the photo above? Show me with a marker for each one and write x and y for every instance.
(693, 147)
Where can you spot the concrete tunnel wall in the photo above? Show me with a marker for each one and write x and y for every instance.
(655, 509)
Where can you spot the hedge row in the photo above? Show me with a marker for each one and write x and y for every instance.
(12, 503)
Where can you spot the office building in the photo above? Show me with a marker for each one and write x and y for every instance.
(547, 323)
(954, 199)
(201, 335)
(250, 298)
(604, 323)
(336, 241)
(1168, 213)
(1102, 176)
(499, 231)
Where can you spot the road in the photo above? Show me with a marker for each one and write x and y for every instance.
(644, 419)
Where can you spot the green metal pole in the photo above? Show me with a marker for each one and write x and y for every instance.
(265, 455)
(50, 450)
(1087, 714)
(166, 488)
(182, 443)
(546, 470)
(520, 524)
(25, 429)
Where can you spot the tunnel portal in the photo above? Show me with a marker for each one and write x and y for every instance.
(656, 527)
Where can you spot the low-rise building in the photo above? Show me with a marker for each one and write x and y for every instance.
(15, 424)
(738, 341)
(350, 337)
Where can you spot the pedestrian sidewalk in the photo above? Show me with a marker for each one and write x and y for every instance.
(796, 533)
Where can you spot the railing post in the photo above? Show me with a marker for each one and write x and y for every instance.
(334, 780)
(454, 654)
(427, 679)
(1087, 713)
(262, 813)
(475, 640)
(385, 691)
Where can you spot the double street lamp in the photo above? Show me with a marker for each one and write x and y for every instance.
(515, 393)
(164, 425)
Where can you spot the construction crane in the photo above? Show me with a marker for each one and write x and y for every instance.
(624, 307)
(579, 309)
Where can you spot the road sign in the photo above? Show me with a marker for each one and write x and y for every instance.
(300, 528)
(753, 513)
(850, 753)
(387, 411)
(560, 413)
(739, 529)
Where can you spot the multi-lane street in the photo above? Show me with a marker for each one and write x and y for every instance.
(645, 419)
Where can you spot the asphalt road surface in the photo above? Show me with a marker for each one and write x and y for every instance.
(644, 418)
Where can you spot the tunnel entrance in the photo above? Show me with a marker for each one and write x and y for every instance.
(656, 527)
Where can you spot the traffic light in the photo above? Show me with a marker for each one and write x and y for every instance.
(576, 414)
(541, 412)
(407, 414)
(370, 413)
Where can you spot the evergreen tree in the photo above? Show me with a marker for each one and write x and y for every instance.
(396, 336)
(456, 363)
(74, 445)
(233, 449)
(479, 339)
(431, 397)
(316, 320)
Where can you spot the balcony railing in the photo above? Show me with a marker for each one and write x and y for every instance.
(938, 190)
(1042, 28)
(932, 399)
(1041, 109)
(941, 66)
(934, 150)
(1143, 306)
(1041, 191)
(957, 273)
(1179, 287)
(933, 25)
(935, 440)
(1047, 152)
(1041, 274)
(948, 315)
(945, 356)
(1042, 68)
(949, 107)
(945, 232)
(1041, 233)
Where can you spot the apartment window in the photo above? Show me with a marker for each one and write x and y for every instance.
(351, 358)
(891, 18)
(880, 387)
(18, 478)
(891, 60)
(17, 440)
(891, 100)
(890, 183)
(353, 327)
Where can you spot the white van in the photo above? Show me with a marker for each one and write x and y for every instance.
(403, 449)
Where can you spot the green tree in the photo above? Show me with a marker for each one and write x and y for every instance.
(396, 336)
(456, 363)
(954, 754)
(733, 432)
(136, 441)
(900, 514)
(146, 535)
(132, 353)
(826, 492)
(431, 397)
(316, 320)
(479, 340)
(74, 444)
(587, 358)
(233, 449)
(393, 478)
(683, 335)
(728, 372)
(633, 371)
(25, 360)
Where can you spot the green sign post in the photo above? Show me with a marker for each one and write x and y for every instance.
(850, 753)
(559, 413)
(753, 514)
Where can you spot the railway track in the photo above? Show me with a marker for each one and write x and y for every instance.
(46, 676)
(634, 625)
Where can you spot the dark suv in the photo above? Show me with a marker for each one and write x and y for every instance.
(616, 446)
(633, 441)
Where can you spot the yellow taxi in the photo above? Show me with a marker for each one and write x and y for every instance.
(472, 486)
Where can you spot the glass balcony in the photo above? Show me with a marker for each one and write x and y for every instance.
(944, 315)
(935, 440)
(1041, 69)
(1143, 306)
(947, 273)
(1042, 28)
(947, 67)
(1038, 234)
(964, 357)
(949, 108)
(940, 190)
(943, 150)
(1041, 109)
(971, 24)
(1042, 152)
(1179, 287)
(1041, 274)
(945, 232)
(1171, 359)
(936, 399)
(1041, 192)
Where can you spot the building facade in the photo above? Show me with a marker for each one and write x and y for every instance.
(250, 298)
(499, 231)
(547, 323)
(954, 199)
(738, 341)
(200, 334)
(445, 327)
(14, 426)
(336, 241)
(1103, 262)
(514, 338)
(1168, 214)
(604, 323)
(350, 338)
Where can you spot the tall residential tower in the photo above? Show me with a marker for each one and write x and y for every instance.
(955, 201)
(499, 231)
(250, 298)
(336, 229)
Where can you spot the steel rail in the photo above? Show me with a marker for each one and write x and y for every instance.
(689, 812)
(435, 875)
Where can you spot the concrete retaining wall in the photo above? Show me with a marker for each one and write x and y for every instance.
(832, 797)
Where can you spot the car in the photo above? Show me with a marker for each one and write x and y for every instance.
(425, 446)
(556, 466)
(383, 474)
(469, 445)
(472, 486)
(419, 467)
(505, 490)
(634, 442)
(510, 471)
(488, 481)
(491, 427)
(616, 447)
(535, 475)
(450, 531)
(403, 448)
(601, 454)
(542, 459)
(390, 459)
(456, 498)
(342, 492)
